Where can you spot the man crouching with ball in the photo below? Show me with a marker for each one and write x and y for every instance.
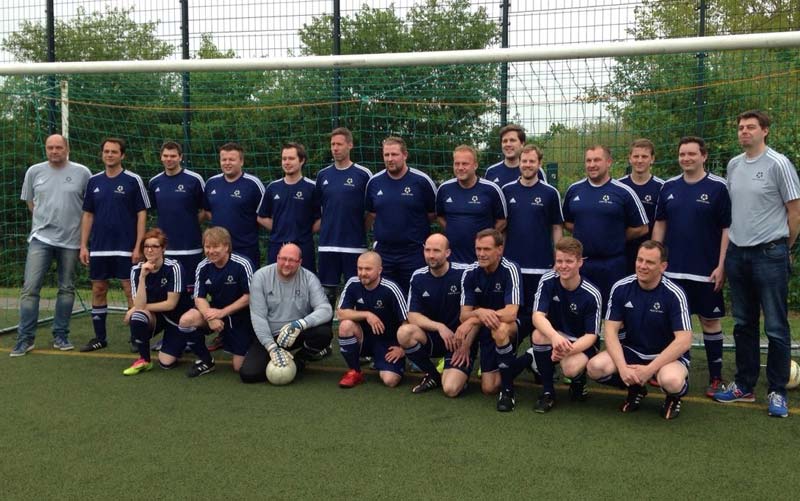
(289, 312)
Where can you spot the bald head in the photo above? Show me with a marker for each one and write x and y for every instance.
(369, 267)
(437, 253)
(288, 261)
(291, 250)
(438, 240)
(57, 150)
(371, 257)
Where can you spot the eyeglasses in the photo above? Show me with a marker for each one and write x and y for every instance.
(152, 246)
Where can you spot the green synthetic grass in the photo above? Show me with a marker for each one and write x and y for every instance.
(76, 428)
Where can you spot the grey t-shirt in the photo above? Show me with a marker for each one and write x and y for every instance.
(759, 189)
(57, 196)
(275, 302)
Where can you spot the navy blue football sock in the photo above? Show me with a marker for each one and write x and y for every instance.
(521, 363)
(542, 354)
(505, 360)
(99, 314)
(713, 344)
(419, 356)
(140, 333)
(613, 380)
(350, 348)
(195, 340)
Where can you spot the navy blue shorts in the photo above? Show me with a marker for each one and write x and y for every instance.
(335, 267)
(237, 334)
(590, 351)
(377, 347)
(488, 355)
(702, 299)
(173, 342)
(108, 267)
(448, 360)
(635, 358)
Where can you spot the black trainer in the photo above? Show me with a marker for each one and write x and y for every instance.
(199, 368)
(427, 383)
(94, 345)
(546, 402)
(635, 395)
(577, 389)
(506, 401)
(671, 408)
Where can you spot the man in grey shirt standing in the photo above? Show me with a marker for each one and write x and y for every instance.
(54, 193)
(289, 311)
(765, 219)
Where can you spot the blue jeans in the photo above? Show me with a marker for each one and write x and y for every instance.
(759, 280)
(37, 263)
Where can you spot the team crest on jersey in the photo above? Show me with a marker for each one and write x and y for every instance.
(230, 280)
(573, 307)
(475, 200)
(349, 181)
(407, 192)
(180, 189)
(498, 286)
(163, 281)
(605, 199)
(236, 194)
(453, 290)
(298, 195)
(537, 201)
(68, 179)
(656, 308)
(759, 176)
(703, 198)
(648, 199)
(120, 189)
(379, 304)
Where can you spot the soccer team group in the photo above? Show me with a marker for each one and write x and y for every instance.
(645, 254)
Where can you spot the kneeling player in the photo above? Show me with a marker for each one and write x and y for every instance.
(655, 313)
(370, 311)
(490, 299)
(566, 317)
(434, 306)
(224, 276)
(158, 300)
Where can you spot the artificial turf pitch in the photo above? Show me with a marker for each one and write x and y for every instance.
(75, 428)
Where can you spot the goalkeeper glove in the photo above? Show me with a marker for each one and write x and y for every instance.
(289, 332)
(279, 356)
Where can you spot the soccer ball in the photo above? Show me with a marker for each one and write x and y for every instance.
(281, 376)
(794, 376)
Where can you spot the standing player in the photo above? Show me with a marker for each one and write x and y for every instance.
(289, 312)
(647, 187)
(176, 194)
(225, 276)
(112, 225)
(535, 223)
(603, 214)
(692, 220)
(159, 300)
(765, 221)
(233, 198)
(468, 204)
(434, 307)
(371, 310)
(567, 320)
(289, 209)
(658, 336)
(401, 203)
(512, 140)
(340, 189)
(54, 192)
(490, 299)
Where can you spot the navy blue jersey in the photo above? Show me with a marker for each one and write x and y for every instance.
(341, 196)
(293, 209)
(647, 194)
(601, 215)
(532, 212)
(234, 206)
(115, 203)
(401, 208)
(225, 285)
(385, 300)
(491, 290)
(652, 317)
(438, 298)
(501, 174)
(574, 313)
(695, 214)
(177, 200)
(466, 212)
(168, 278)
